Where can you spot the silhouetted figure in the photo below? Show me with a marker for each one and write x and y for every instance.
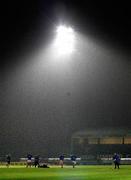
(73, 159)
(36, 161)
(61, 160)
(116, 159)
(29, 160)
(8, 159)
(43, 165)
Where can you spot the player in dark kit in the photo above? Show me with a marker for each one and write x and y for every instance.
(29, 160)
(61, 160)
(116, 159)
(73, 159)
(36, 161)
(8, 159)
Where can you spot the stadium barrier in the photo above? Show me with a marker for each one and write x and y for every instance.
(67, 161)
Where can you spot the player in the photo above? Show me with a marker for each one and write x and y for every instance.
(36, 161)
(8, 159)
(116, 159)
(29, 160)
(61, 160)
(73, 159)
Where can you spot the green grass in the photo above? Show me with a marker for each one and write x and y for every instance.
(67, 173)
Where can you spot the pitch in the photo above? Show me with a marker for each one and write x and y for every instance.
(66, 173)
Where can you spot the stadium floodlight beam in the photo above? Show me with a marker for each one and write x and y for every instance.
(65, 40)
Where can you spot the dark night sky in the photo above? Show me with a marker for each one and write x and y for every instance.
(42, 102)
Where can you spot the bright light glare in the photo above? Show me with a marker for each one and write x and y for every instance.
(65, 40)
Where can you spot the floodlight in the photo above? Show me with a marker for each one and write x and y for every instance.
(65, 39)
